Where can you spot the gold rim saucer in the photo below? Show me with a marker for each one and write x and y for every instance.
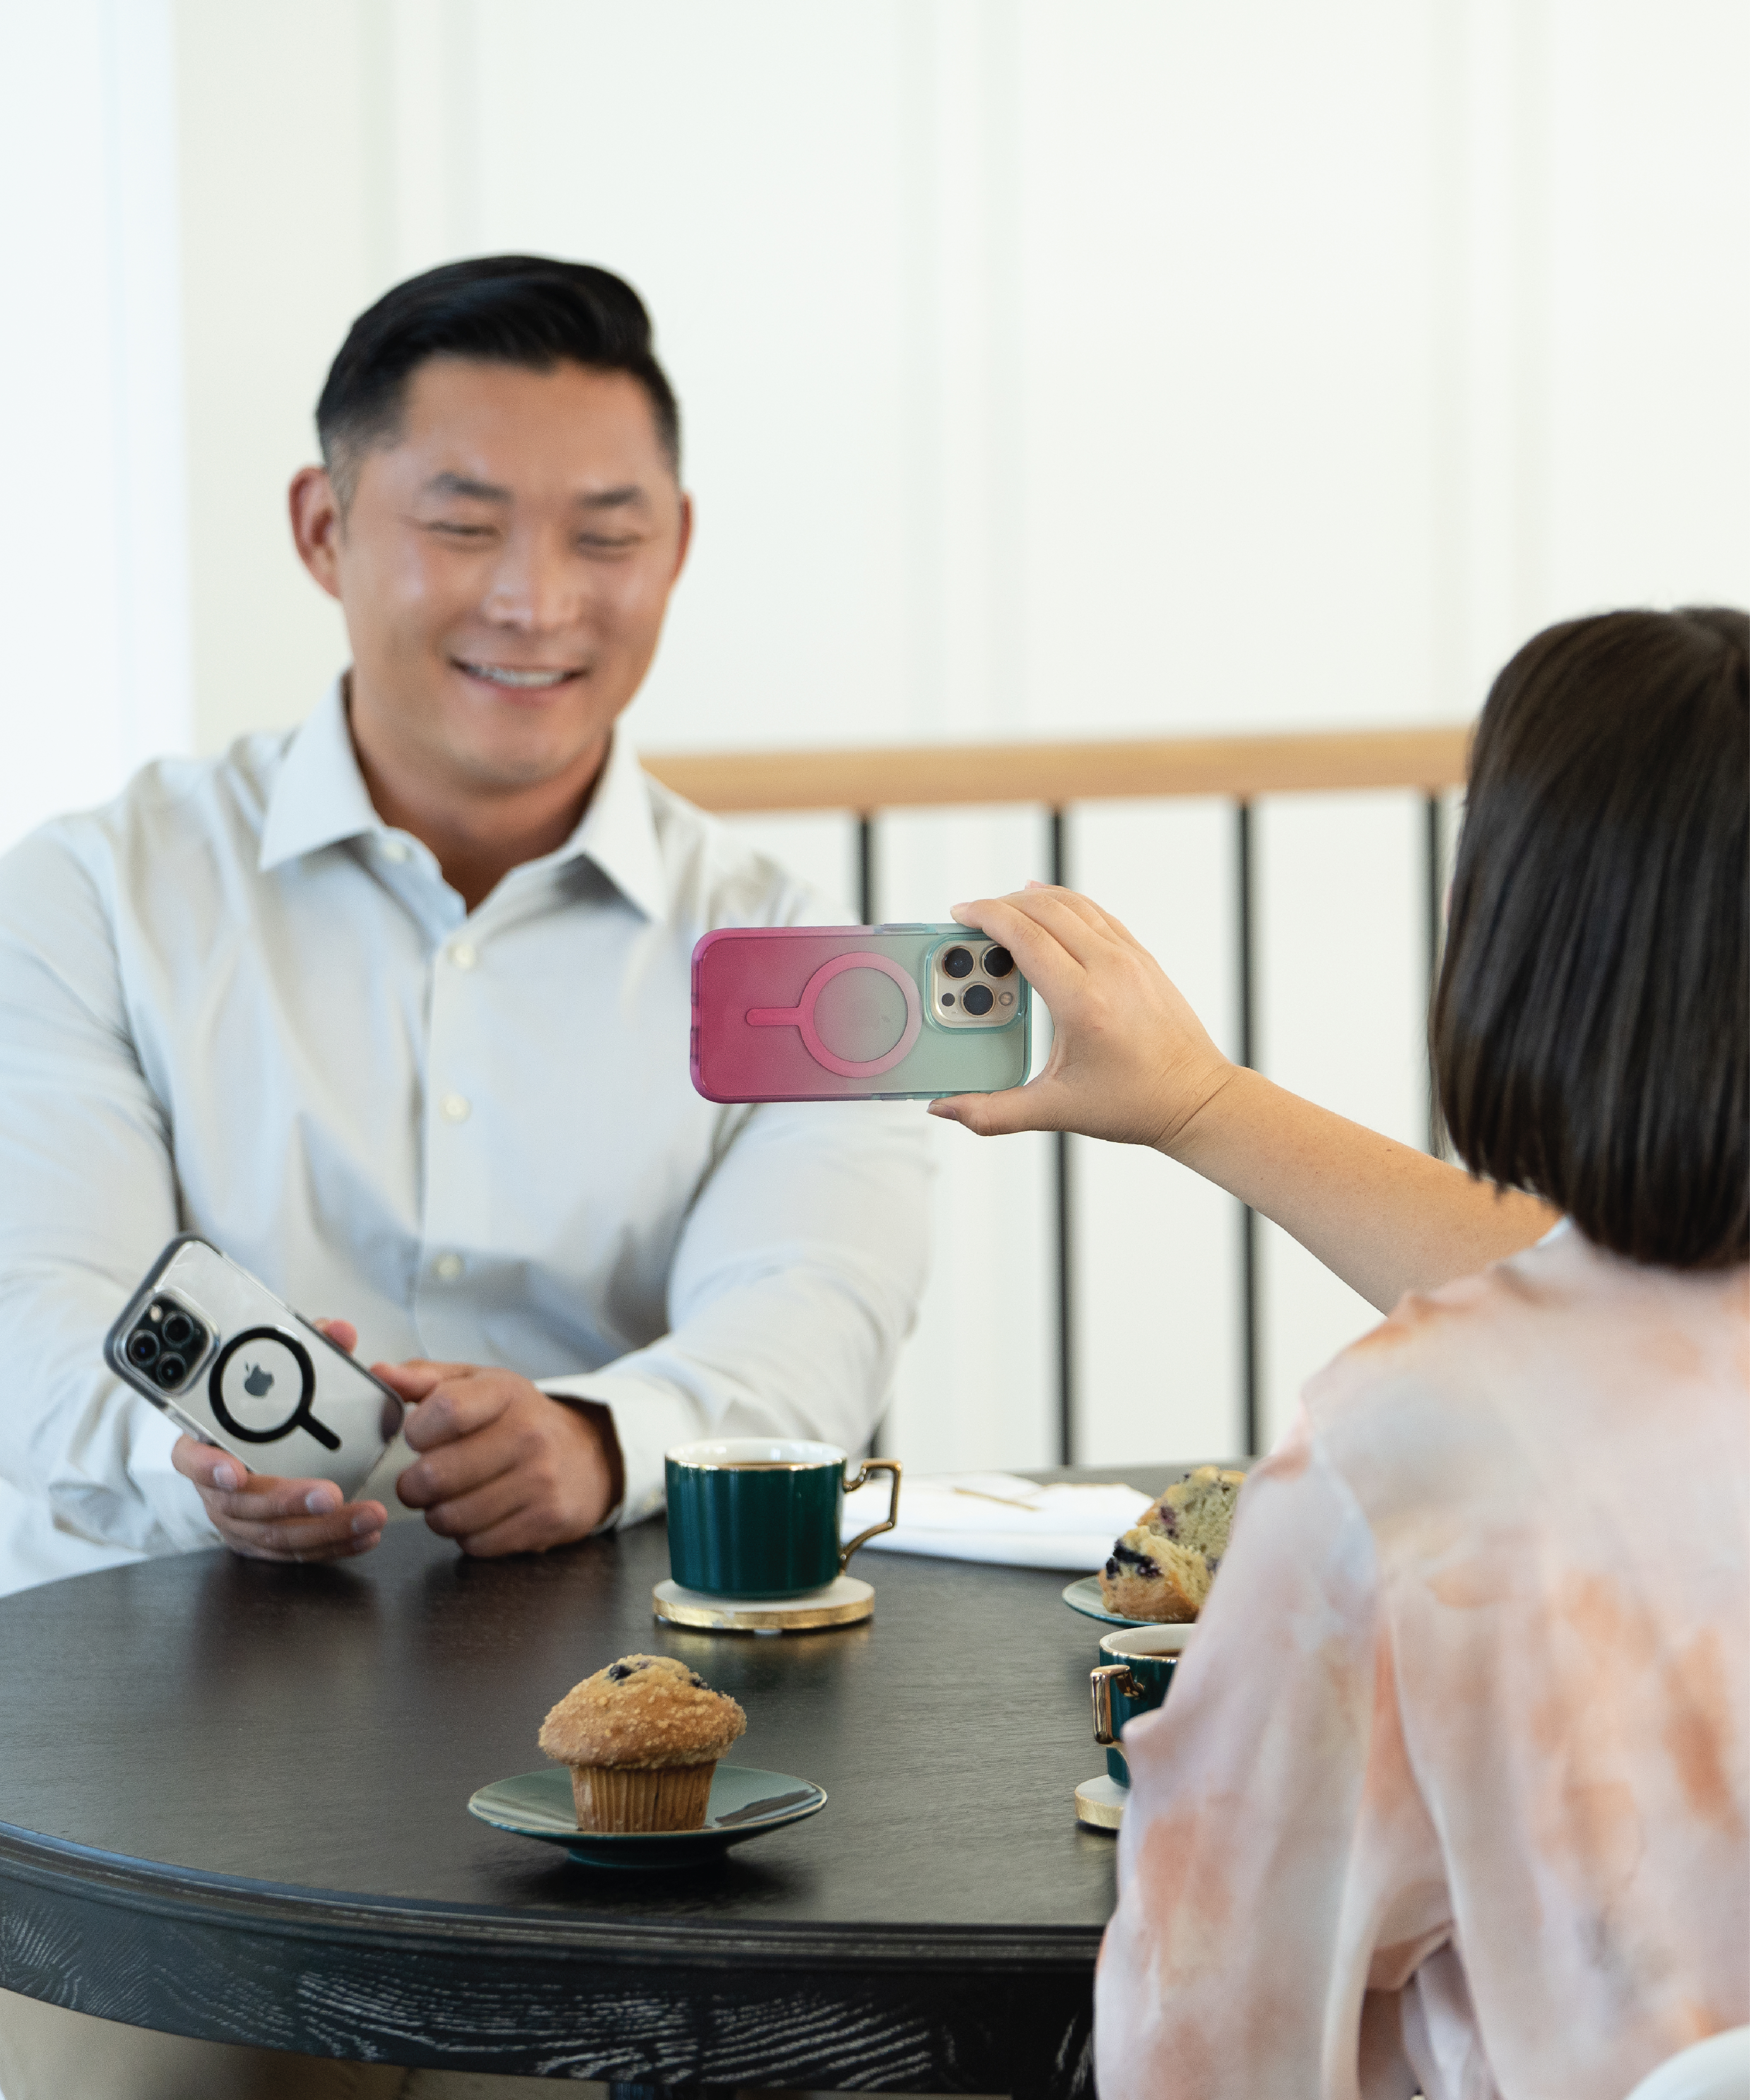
(1100, 1803)
(842, 1603)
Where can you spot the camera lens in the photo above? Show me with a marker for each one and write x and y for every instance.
(178, 1330)
(998, 962)
(947, 999)
(142, 1347)
(957, 962)
(978, 999)
(170, 1371)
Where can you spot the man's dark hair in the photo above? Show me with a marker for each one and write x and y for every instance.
(1591, 1028)
(524, 310)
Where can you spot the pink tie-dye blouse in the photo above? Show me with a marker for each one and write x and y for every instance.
(1451, 1786)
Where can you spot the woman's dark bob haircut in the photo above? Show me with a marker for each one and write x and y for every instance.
(1591, 1028)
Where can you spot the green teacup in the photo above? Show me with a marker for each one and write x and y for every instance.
(760, 1516)
(1136, 1667)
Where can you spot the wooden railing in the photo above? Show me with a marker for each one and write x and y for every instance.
(863, 784)
(919, 776)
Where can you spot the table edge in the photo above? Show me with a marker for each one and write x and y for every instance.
(62, 1868)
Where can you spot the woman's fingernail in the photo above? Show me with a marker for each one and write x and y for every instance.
(225, 1477)
(365, 1521)
(320, 1502)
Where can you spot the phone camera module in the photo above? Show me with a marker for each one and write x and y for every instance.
(998, 962)
(143, 1348)
(958, 963)
(170, 1371)
(977, 998)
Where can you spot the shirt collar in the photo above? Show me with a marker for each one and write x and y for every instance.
(320, 799)
(618, 831)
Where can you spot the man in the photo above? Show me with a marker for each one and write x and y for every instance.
(395, 1009)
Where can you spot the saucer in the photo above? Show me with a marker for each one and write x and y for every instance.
(1083, 1595)
(745, 1802)
(1100, 1803)
(841, 1603)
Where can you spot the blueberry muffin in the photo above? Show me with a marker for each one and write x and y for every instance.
(1162, 1567)
(642, 1738)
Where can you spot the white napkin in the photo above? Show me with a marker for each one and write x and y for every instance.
(997, 1517)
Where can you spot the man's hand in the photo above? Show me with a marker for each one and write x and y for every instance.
(1130, 1061)
(265, 1518)
(504, 1468)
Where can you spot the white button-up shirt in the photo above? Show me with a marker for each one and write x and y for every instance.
(236, 1002)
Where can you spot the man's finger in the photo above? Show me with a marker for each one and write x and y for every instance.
(342, 1332)
(416, 1378)
(455, 1468)
(520, 1534)
(466, 1516)
(305, 1538)
(455, 1409)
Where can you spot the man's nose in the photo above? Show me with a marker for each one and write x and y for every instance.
(534, 586)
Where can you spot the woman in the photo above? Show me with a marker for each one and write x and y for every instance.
(1452, 1786)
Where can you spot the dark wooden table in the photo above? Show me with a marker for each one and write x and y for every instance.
(232, 1805)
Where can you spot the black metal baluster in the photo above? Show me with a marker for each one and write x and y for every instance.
(1434, 842)
(865, 914)
(865, 868)
(1248, 1217)
(1066, 1241)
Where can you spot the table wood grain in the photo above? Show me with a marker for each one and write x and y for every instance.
(232, 1804)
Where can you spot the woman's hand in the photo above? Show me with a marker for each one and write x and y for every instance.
(1130, 1061)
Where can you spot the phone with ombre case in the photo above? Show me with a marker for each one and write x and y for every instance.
(834, 1014)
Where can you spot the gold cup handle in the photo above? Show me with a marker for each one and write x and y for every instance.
(869, 1466)
(1102, 1681)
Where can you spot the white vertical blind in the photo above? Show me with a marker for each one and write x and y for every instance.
(94, 527)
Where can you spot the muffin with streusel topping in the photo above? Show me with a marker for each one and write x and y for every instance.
(642, 1738)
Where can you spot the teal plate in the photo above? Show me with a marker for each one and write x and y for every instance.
(744, 1803)
(1084, 1596)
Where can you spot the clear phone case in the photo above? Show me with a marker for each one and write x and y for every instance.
(804, 1013)
(231, 1365)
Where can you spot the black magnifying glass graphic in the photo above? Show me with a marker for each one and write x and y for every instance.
(251, 1384)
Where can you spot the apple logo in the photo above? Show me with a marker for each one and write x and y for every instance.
(258, 1382)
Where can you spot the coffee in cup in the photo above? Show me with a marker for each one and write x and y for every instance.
(760, 1516)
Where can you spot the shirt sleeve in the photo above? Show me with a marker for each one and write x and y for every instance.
(795, 1280)
(1279, 1878)
(91, 1199)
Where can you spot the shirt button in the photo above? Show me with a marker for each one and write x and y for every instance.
(393, 849)
(463, 956)
(455, 1107)
(447, 1267)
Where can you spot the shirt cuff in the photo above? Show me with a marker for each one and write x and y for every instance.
(648, 1420)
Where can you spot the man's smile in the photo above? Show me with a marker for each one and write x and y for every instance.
(504, 674)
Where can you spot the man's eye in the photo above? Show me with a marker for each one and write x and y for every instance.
(604, 543)
(451, 529)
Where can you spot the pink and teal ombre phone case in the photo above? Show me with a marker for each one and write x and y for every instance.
(834, 1013)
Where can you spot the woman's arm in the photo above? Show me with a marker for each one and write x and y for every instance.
(1132, 1062)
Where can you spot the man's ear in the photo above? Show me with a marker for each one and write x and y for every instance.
(316, 525)
(686, 537)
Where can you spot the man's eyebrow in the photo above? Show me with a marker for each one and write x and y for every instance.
(462, 484)
(612, 499)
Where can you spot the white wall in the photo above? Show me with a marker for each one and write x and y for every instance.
(1046, 370)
